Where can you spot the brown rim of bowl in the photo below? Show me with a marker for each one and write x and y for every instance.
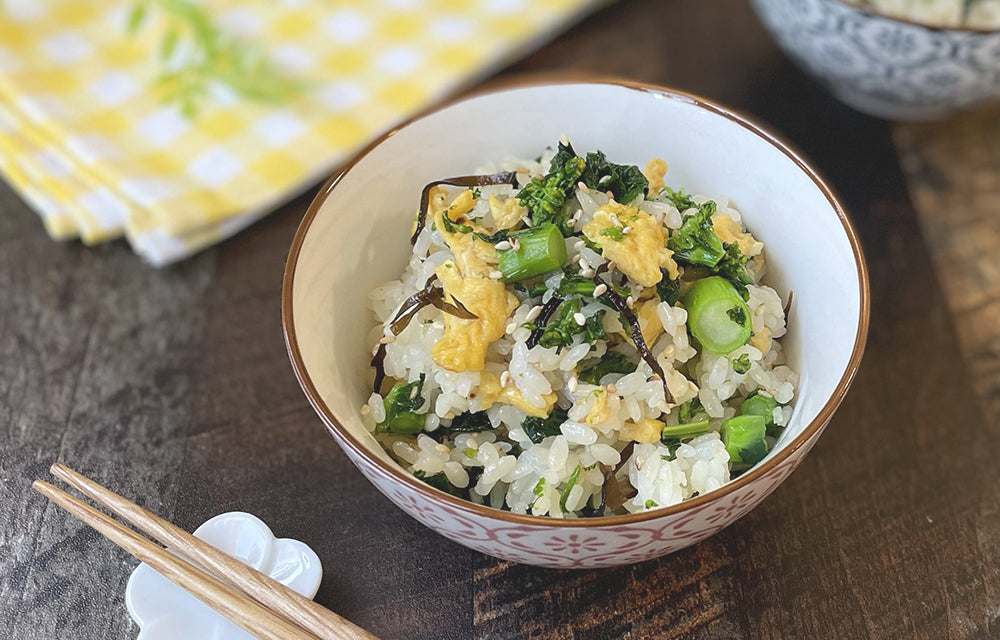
(930, 27)
(346, 439)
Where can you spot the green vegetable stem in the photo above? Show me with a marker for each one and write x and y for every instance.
(717, 316)
(757, 404)
(685, 430)
(540, 250)
(401, 405)
(744, 439)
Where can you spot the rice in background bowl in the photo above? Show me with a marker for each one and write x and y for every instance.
(355, 234)
(876, 60)
(975, 14)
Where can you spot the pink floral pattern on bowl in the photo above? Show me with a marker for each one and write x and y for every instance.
(559, 546)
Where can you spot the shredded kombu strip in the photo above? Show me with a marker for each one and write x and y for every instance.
(428, 295)
(547, 310)
(636, 331)
(612, 496)
(508, 177)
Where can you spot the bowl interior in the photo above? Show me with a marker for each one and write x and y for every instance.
(356, 235)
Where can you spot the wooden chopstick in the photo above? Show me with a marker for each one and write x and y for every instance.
(270, 593)
(250, 615)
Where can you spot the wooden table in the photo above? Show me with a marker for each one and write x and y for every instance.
(173, 387)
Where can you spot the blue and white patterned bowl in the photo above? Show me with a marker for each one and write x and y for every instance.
(884, 66)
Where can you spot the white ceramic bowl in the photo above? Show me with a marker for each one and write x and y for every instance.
(355, 236)
(884, 66)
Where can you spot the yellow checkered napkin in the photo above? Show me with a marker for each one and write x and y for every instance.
(179, 122)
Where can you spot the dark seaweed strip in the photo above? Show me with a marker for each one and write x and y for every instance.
(547, 310)
(428, 295)
(788, 306)
(458, 309)
(508, 177)
(640, 344)
(611, 492)
(378, 361)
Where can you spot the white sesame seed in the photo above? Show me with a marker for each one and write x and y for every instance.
(579, 245)
(413, 393)
(576, 258)
(600, 290)
(503, 245)
(612, 388)
(533, 313)
(504, 379)
(610, 195)
(388, 339)
(604, 179)
(495, 275)
(515, 244)
(582, 187)
(587, 272)
(570, 385)
(615, 220)
(366, 409)
(630, 302)
(626, 230)
(563, 139)
(579, 318)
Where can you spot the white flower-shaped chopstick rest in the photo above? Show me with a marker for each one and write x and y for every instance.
(164, 611)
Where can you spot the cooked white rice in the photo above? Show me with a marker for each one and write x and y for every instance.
(562, 474)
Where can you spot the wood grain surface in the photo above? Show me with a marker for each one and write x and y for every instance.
(953, 169)
(172, 387)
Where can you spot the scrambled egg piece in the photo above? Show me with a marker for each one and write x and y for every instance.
(729, 231)
(600, 410)
(463, 346)
(473, 257)
(654, 171)
(491, 392)
(641, 252)
(646, 430)
(761, 340)
(649, 321)
(507, 213)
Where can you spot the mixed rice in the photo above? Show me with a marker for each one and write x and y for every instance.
(573, 338)
(977, 14)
